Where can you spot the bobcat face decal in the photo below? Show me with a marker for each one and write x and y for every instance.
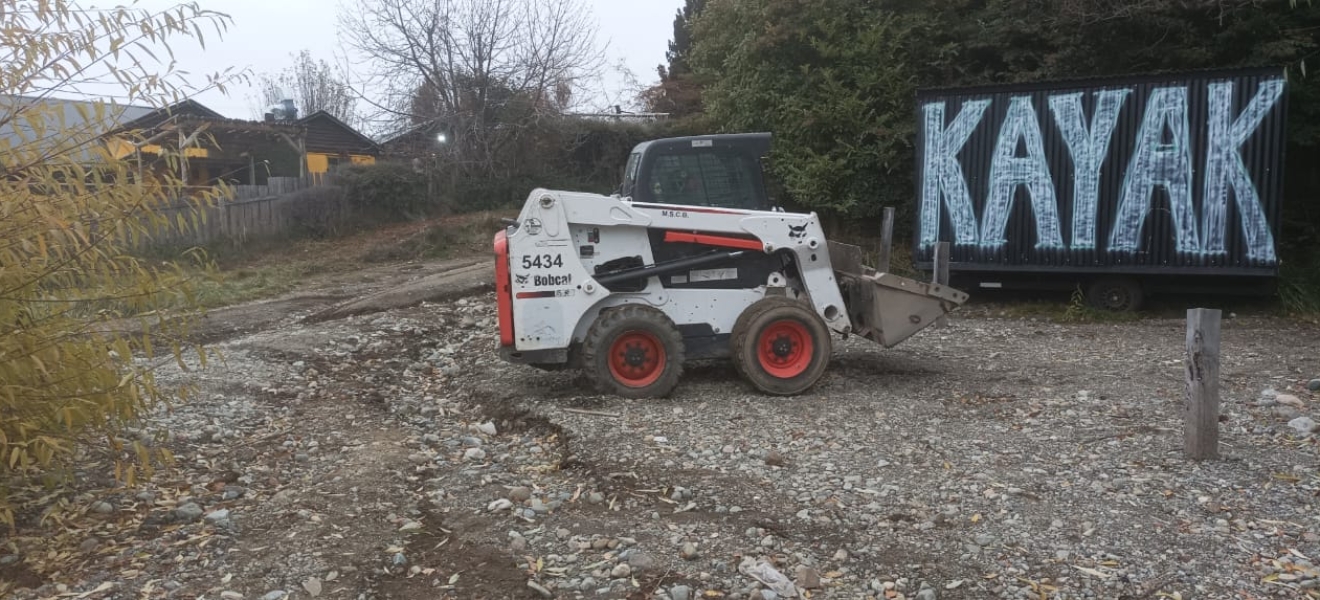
(797, 232)
(521, 279)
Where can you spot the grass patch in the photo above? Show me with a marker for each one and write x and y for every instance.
(259, 269)
(1299, 291)
(225, 288)
(446, 238)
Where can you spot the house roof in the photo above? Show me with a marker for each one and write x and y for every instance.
(338, 137)
(188, 107)
(63, 126)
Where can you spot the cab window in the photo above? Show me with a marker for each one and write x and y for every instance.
(710, 178)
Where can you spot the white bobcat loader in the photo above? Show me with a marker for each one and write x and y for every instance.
(688, 260)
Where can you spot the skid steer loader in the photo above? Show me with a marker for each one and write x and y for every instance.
(689, 260)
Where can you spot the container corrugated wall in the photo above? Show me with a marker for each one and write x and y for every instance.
(1187, 171)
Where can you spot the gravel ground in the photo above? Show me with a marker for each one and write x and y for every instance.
(393, 456)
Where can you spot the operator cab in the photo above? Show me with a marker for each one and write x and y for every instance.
(723, 171)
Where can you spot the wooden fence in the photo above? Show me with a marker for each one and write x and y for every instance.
(250, 211)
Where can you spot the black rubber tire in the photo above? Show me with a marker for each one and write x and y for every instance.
(745, 342)
(1117, 294)
(614, 323)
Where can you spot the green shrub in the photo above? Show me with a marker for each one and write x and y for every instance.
(386, 191)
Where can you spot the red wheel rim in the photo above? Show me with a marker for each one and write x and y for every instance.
(784, 349)
(637, 358)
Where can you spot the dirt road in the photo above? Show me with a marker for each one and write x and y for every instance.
(391, 455)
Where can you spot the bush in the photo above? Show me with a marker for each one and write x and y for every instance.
(386, 191)
(78, 309)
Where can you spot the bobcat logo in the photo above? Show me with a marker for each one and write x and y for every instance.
(521, 279)
(797, 232)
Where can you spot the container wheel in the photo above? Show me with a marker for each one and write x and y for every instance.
(1118, 294)
(781, 346)
(634, 352)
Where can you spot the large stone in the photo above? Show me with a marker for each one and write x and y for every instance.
(642, 562)
(188, 512)
(219, 518)
(1303, 425)
(807, 578)
(620, 571)
(520, 494)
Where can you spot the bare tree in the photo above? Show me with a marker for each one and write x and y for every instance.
(480, 69)
(313, 86)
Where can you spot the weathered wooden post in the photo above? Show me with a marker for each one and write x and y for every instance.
(886, 241)
(941, 275)
(1201, 409)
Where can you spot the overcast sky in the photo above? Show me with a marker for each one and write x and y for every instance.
(266, 32)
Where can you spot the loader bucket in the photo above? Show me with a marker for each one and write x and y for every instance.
(888, 309)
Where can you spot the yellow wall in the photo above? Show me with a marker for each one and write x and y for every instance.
(320, 163)
(122, 148)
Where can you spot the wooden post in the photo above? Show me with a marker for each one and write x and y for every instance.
(1201, 409)
(940, 275)
(886, 241)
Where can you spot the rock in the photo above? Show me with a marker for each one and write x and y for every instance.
(595, 498)
(841, 555)
(1268, 397)
(540, 589)
(689, 551)
(621, 571)
(926, 593)
(89, 545)
(955, 584)
(1313, 385)
(399, 559)
(1290, 400)
(275, 595)
(1303, 425)
(313, 586)
(642, 562)
(518, 544)
(498, 505)
(411, 526)
(103, 508)
(487, 428)
(600, 543)
(680, 592)
(1287, 413)
(806, 578)
(985, 539)
(145, 496)
(768, 541)
(563, 533)
(219, 518)
(538, 506)
(419, 458)
(188, 512)
(520, 494)
(474, 454)
(774, 459)
(283, 497)
(230, 595)
(233, 492)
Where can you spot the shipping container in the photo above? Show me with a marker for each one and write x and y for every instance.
(1122, 186)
